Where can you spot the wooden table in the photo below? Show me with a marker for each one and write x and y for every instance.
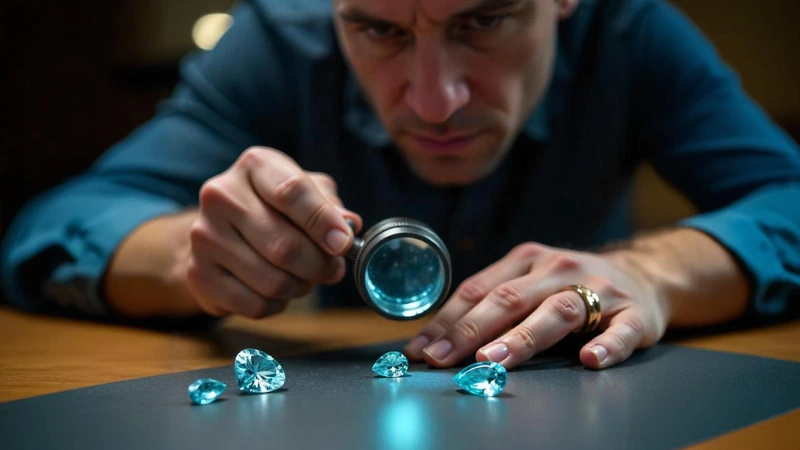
(41, 355)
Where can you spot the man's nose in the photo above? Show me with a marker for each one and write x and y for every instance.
(436, 88)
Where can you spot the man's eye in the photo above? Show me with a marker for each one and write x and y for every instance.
(380, 31)
(485, 23)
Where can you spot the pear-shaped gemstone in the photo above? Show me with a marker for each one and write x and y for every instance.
(206, 390)
(486, 379)
(257, 372)
(391, 365)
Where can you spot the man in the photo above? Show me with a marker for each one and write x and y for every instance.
(511, 127)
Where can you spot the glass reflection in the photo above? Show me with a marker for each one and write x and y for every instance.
(489, 410)
(404, 423)
(404, 277)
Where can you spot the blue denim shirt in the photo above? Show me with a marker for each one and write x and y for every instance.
(634, 81)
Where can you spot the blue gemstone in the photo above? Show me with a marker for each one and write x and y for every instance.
(486, 379)
(206, 390)
(257, 372)
(391, 365)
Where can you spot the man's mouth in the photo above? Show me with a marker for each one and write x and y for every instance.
(444, 144)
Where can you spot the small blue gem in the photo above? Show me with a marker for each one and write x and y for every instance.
(257, 372)
(206, 390)
(391, 365)
(486, 379)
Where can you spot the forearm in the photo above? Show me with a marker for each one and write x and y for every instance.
(696, 279)
(146, 275)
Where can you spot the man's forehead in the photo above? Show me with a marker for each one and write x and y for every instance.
(408, 11)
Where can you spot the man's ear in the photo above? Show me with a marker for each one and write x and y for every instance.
(566, 8)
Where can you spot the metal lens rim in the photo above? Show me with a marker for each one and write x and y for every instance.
(397, 228)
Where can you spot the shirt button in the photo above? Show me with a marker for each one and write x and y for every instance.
(466, 244)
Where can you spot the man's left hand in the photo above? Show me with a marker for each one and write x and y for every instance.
(519, 306)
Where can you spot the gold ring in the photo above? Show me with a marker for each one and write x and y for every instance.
(592, 302)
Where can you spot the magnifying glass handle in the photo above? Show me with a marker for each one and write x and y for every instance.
(358, 243)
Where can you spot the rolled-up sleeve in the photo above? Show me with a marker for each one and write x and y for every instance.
(58, 257)
(707, 138)
(235, 96)
(763, 232)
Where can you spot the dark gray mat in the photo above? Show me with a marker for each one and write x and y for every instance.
(665, 397)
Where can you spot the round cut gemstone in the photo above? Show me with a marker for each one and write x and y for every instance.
(391, 365)
(206, 390)
(257, 372)
(486, 379)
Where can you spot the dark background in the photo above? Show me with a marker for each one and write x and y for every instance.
(79, 75)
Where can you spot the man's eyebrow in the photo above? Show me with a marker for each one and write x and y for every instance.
(487, 6)
(356, 15)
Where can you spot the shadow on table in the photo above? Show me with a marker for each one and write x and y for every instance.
(228, 342)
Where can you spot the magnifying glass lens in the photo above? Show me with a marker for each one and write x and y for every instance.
(404, 277)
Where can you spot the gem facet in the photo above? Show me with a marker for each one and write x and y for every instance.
(486, 379)
(257, 372)
(206, 390)
(391, 365)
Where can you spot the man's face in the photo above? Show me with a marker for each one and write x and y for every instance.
(453, 81)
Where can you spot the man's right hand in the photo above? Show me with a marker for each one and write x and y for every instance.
(267, 232)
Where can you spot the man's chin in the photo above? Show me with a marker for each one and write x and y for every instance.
(470, 166)
(450, 174)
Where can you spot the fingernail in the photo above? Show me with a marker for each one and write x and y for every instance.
(341, 269)
(495, 352)
(337, 240)
(416, 345)
(600, 353)
(439, 349)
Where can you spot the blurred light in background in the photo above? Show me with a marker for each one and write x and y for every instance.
(210, 28)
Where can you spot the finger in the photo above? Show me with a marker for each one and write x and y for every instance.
(501, 309)
(558, 315)
(283, 185)
(219, 293)
(238, 215)
(222, 245)
(286, 247)
(327, 185)
(625, 333)
(468, 294)
(356, 220)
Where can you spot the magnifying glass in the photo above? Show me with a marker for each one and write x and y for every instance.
(401, 267)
